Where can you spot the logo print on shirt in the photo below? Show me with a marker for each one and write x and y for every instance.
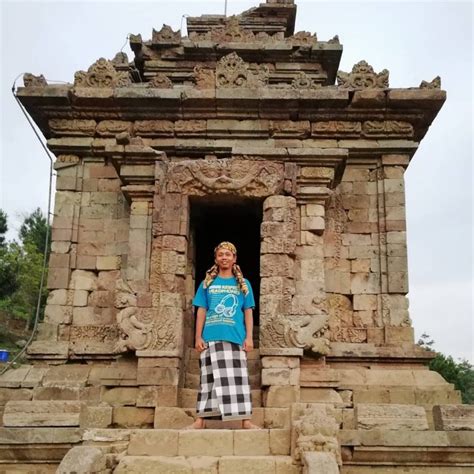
(227, 307)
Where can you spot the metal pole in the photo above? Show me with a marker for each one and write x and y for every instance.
(225, 8)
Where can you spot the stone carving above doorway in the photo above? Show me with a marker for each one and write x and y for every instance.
(226, 176)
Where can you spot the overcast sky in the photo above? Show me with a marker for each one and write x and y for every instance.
(415, 41)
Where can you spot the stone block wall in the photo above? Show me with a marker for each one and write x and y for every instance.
(366, 255)
(90, 233)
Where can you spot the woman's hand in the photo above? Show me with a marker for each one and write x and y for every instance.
(248, 344)
(200, 344)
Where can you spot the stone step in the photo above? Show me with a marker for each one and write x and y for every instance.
(177, 418)
(188, 397)
(37, 413)
(410, 396)
(207, 464)
(208, 442)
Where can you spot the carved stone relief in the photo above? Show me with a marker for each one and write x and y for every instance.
(363, 76)
(434, 84)
(232, 72)
(315, 429)
(102, 74)
(160, 81)
(226, 176)
(139, 328)
(391, 128)
(336, 127)
(166, 35)
(305, 332)
(72, 127)
(30, 80)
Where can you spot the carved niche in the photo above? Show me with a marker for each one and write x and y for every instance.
(102, 74)
(226, 176)
(363, 76)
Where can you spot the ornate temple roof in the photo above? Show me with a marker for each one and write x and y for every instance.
(248, 66)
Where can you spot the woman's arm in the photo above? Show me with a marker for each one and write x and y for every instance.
(248, 343)
(200, 345)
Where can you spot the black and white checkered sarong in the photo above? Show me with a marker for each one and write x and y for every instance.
(225, 389)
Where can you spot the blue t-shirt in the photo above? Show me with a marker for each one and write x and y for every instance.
(225, 304)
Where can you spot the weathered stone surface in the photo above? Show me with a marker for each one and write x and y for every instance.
(177, 464)
(99, 416)
(171, 417)
(39, 435)
(82, 460)
(42, 413)
(131, 417)
(247, 464)
(390, 416)
(280, 442)
(206, 443)
(251, 443)
(281, 396)
(153, 443)
(319, 463)
(120, 396)
(453, 417)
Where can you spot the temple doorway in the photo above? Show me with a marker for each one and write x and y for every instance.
(237, 221)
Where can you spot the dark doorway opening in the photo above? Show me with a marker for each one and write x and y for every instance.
(237, 221)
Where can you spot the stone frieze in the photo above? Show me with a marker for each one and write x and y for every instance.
(227, 176)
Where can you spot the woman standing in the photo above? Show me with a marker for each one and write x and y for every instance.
(224, 326)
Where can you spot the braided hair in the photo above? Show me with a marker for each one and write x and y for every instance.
(212, 273)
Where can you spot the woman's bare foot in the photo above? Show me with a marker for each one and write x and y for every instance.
(248, 425)
(199, 424)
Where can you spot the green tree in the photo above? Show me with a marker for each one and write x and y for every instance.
(9, 268)
(34, 229)
(3, 227)
(461, 373)
(21, 266)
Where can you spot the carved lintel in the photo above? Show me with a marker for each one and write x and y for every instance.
(227, 176)
(363, 76)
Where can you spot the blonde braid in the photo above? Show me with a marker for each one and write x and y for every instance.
(240, 278)
(211, 275)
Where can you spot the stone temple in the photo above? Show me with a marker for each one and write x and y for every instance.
(245, 131)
